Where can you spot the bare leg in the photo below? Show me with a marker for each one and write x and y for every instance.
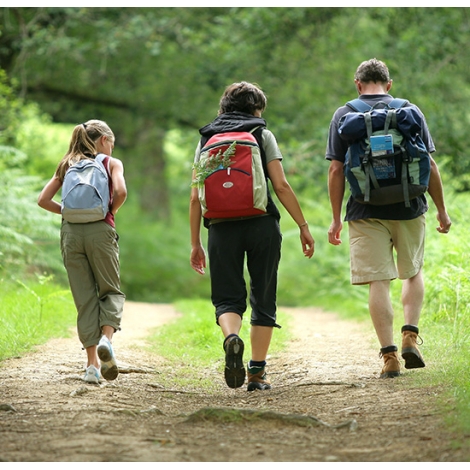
(260, 340)
(381, 311)
(412, 296)
(412, 299)
(92, 356)
(230, 323)
(108, 331)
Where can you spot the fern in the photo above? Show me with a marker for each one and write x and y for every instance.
(23, 222)
(205, 167)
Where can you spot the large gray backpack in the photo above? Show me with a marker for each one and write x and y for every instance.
(85, 191)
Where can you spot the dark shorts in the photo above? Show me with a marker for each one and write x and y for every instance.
(259, 241)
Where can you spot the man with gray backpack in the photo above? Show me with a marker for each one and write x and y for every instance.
(382, 147)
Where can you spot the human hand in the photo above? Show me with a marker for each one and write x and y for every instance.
(444, 222)
(198, 259)
(334, 233)
(307, 241)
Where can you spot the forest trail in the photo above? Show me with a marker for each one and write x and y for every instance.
(327, 404)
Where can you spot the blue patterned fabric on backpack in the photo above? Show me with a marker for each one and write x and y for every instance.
(387, 161)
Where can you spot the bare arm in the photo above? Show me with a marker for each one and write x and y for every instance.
(198, 255)
(289, 200)
(45, 198)
(336, 186)
(116, 169)
(436, 192)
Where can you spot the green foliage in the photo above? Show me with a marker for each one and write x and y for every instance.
(32, 313)
(155, 253)
(154, 258)
(10, 111)
(82, 62)
(23, 223)
(44, 142)
(206, 166)
(27, 233)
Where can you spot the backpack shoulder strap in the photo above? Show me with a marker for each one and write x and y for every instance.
(101, 157)
(258, 134)
(358, 105)
(397, 103)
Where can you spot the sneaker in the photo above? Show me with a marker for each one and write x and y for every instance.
(109, 368)
(92, 375)
(409, 348)
(391, 366)
(234, 368)
(257, 379)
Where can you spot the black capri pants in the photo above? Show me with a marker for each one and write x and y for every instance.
(260, 240)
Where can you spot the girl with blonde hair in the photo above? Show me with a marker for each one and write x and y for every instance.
(90, 251)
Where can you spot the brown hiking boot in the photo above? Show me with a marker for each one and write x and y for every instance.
(391, 366)
(257, 379)
(409, 349)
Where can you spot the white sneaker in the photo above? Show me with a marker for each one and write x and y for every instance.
(92, 375)
(109, 368)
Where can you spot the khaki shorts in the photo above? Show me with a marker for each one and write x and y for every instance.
(372, 245)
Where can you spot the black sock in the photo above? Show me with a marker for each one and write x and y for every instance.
(258, 364)
(228, 337)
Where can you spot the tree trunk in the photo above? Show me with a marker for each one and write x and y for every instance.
(151, 182)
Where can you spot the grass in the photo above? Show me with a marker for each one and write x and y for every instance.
(31, 313)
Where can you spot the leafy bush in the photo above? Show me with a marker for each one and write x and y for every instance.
(23, 223)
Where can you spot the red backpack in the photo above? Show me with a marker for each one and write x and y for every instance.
(230, 177)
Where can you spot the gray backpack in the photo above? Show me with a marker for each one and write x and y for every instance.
(85, 191)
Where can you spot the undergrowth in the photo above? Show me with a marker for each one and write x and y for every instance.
(31, 313)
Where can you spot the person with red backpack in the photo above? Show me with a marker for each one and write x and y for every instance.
(89, 242)
(255, 235)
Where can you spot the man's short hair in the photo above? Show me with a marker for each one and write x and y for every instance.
(372, 70)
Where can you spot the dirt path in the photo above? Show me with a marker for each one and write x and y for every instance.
(327, 404)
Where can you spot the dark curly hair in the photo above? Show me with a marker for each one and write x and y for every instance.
(243, 97)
